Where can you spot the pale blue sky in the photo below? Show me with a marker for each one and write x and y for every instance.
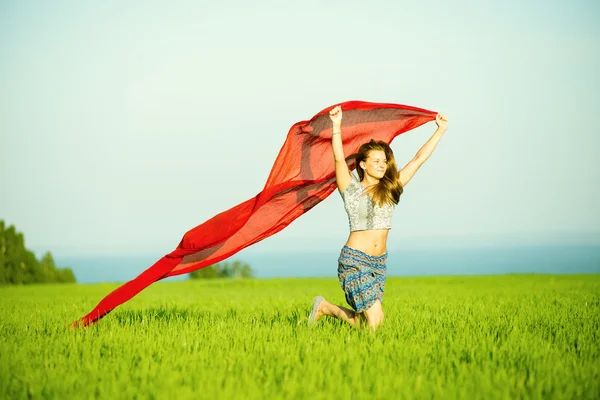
(123, 126)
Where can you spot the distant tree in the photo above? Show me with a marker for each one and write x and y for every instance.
(19, 265)
(246, 271)
(235, 270)
(210, 272)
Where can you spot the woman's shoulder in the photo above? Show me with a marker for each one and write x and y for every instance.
(352, 188)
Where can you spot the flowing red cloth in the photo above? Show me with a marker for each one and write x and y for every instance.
(302, 176)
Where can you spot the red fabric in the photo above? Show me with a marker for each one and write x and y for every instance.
(302, 176)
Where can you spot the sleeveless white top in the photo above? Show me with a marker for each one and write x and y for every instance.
(363, 212)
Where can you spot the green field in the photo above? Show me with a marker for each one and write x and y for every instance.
(514, 336)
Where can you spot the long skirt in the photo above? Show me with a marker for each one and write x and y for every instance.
(362, 277)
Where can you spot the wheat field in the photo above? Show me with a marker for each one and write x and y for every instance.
(486, 337)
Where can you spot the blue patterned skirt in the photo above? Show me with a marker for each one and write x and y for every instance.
(362, 277)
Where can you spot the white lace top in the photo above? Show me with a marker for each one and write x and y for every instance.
(363, 212)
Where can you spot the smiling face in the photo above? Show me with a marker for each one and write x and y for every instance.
(375, 164)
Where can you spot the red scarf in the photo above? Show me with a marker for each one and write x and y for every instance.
(302, 176)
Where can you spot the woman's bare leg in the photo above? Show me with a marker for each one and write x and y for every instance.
(343, 313)
(374, 315)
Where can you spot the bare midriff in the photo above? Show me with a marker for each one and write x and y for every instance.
(371, 241)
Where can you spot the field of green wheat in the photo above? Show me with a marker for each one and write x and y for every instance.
(513, 336)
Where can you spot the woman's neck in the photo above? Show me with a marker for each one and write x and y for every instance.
(369, 181)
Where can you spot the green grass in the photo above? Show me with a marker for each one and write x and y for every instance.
(515, 336)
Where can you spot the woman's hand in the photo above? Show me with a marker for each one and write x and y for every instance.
(442, 121)
(336, 116)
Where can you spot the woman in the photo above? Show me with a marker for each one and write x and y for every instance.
(370, 203)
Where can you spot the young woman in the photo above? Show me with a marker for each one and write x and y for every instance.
(370, 203)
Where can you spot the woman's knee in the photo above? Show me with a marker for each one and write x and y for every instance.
(374, 322)
(374, 315)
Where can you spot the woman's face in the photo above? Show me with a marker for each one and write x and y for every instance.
(375, 164)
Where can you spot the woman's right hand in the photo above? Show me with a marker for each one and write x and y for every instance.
(336, 116)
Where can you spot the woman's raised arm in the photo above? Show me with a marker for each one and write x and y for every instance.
(406, 173)
(342, 173)
(425, 151)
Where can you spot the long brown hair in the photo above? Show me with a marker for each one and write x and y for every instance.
(389, 189)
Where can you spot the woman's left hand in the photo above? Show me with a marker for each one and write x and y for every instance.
(442, 121)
